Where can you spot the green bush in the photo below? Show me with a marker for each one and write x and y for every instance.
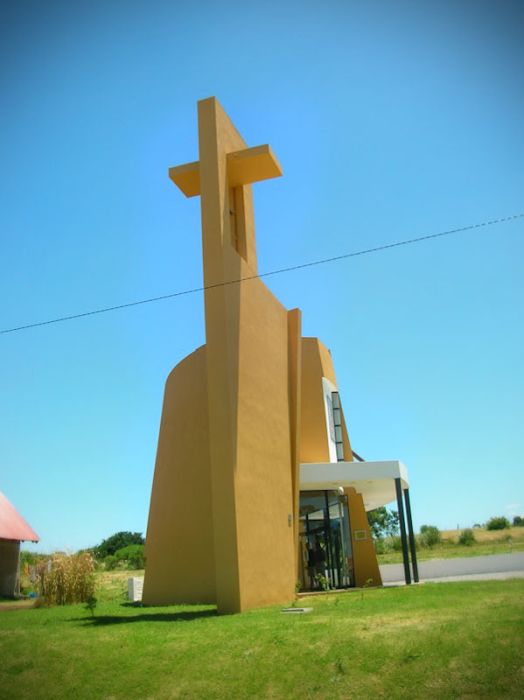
(131, 556)
(429, 536)
(380, 546)
(110, 562)
(518, 521)
(498, 523)
(117, 541)
(396, 543)
(467, 537)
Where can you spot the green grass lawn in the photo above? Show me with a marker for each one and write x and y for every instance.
(454, 640)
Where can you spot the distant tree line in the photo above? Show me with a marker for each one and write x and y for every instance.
(502, 523)
(122, 550)
(384, 526)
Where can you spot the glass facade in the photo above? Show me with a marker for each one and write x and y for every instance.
(325, 553)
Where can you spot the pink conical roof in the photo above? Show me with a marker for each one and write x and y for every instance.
(12, 525)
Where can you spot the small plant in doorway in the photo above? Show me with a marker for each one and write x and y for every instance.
(322, 582)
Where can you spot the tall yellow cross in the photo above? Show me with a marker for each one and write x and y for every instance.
(222, 177)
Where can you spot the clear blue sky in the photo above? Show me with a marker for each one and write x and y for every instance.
(391, 120)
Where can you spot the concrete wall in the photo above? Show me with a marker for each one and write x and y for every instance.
(248, 391)
(365, 560)
(179, 541)
(316, 363)
(9, 559)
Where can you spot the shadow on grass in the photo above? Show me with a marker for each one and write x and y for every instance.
(101, 620)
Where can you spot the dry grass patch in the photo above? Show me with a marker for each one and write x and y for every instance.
(483, 535)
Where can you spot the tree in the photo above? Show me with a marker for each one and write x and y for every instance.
(383, 522)
(498, 523)
(117, 541)
(518, 521)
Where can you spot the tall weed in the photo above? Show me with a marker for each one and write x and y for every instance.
(64, 579)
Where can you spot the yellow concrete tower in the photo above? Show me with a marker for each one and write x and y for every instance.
(221, 517)
(224, 523)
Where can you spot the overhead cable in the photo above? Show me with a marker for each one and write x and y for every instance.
(282, 270)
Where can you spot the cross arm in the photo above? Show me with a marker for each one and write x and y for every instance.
(252, 165)
(243, 168)
(187, 178)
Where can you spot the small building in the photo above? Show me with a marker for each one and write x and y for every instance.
(13, 530)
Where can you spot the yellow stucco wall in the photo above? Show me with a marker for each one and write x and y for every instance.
(295, 417)
(179, 542)
(263, 469)
(367, 571)
(248, 391)
(313, 442)
(316, 363)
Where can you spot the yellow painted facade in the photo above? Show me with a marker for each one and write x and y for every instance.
(240, 414)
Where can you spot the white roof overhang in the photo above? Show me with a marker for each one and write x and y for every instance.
(374, 480)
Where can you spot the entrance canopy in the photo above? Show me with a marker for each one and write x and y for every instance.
(374, 480)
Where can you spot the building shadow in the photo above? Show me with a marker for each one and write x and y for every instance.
(103, 620)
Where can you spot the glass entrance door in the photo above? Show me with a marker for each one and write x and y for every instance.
(325, 544)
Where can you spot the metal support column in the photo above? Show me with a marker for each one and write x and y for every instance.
(403, 538)
(411, 536)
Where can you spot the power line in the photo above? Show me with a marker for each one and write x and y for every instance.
(280, 271)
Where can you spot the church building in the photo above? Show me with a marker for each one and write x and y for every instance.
(256, 491)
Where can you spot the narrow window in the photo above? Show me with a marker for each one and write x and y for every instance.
(237, 220)
(337, 421)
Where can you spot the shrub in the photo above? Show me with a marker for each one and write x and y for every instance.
(518, 521)
(396, 543)
(467, 537)
(110, 562)
(132, 556)
(380, 546)
(91, 605)
(117, 541)
(28, 558)
(429, 536)
(66, 579)
(498, 523)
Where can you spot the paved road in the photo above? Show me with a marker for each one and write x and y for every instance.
(496, 566)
